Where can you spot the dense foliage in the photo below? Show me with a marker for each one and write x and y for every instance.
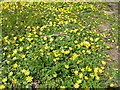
(56, 44)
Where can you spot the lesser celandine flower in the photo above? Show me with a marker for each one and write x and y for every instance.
(91, 39)
(111, 85)
(96, 39)
(67, 66)
(3, 54)
(91, 74)
(76, 72)
(76, 85)
(48, 53)
(15, 38)
(62, 87)
(8, 62)
(10, 74)
(96, 70)
(29, 79)
(67, 52)
(88, 51)
(103, 62)
(75, 41)
(45, 38)
(5, 48)
(4, 80)
(110, 77)
(51, 39)
(70, 48)
(14, 58)
(82, 69)
(87, 44)
(86, 78)
(97, 78)
(27, 72)
(54, 75)
(101, 71)
(15, 65)
(2, 86)
(79, 81)
(23, 56)
(80, 75)
(102, 67)
(21, 49)
(14, 81)
(8, 56)
(23, 71)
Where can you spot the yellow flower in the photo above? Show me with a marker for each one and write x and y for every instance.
(54, 60)
(15, 51)
(23, 71)
(54, 75)
(103, 62)
(8, 62)
(101, 71)
(91, 39)
(21, 49)
(67, 66)
(110, 77)
(2, 86)
(102, 67)
(29, 79)
(14, 58)
(6, 37)
(48, 53)
(76, 85)
(14, 38)
(87, 44)
(28, 47)
(76, 72)
(65, 46)
(23, 56)
(14, 81)
(62, 87)
(70, 48)
(5, 48)
(67, 52)
(80, 75)
(29, 39)
(41, 50)
(62, 51)
(108, 47)
(79, 81)
(96, 39)
(97, 78)
(4, 54)
(88, 51)
(15, 65)
(82, 69)
(89, 69)
(8, 56)
(74, 56)
(86, 78)
(79, 61)
(10, 74)
(4, 80)
(111, 85)
(75, 41)
(91, 75)
(27, 72)
(51, 39)
(78, 45)
(96, 70)
(45, 38)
